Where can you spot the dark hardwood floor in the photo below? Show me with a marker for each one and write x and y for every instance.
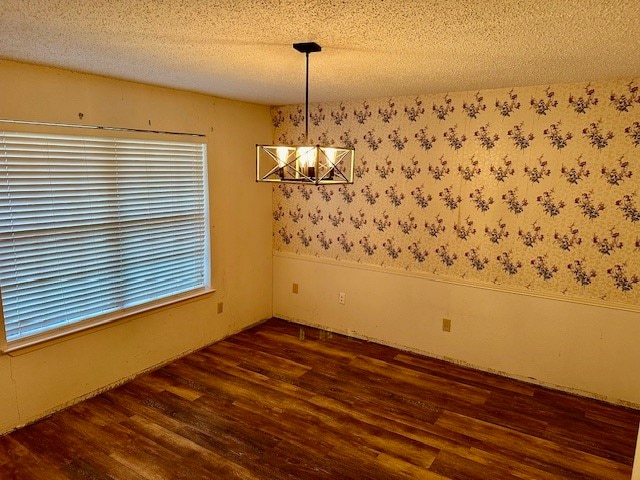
(283, 401)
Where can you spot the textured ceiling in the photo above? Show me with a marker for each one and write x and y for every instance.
(241, 49)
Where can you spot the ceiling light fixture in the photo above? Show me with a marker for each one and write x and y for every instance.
(314, 164)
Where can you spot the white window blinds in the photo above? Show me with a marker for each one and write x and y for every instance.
(92, 226)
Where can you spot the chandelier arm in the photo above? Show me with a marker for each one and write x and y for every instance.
(306, 102)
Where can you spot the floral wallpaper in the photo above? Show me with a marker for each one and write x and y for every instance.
(536, 188)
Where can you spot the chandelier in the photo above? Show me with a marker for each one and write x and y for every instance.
(309, 164)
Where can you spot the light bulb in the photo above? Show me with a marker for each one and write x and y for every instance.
(307, 160)
(331, 156)
(283, 155)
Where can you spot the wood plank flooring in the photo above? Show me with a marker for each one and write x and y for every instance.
(269, 404)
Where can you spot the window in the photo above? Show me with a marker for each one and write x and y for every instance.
(93, 228)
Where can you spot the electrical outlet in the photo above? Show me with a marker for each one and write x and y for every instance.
(446, 325)
(294, 288)
(220, 307)
(342, 298)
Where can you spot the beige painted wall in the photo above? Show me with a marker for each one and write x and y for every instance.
(590, 350)
(34, 383)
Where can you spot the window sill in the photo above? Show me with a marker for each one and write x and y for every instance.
(36, 342)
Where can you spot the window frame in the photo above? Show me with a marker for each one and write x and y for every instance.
(126, 312)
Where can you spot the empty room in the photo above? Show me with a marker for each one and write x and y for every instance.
(319, 239)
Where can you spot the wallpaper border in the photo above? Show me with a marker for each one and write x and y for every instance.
(463, 283)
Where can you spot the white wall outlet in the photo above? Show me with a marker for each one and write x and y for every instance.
(342, 298)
